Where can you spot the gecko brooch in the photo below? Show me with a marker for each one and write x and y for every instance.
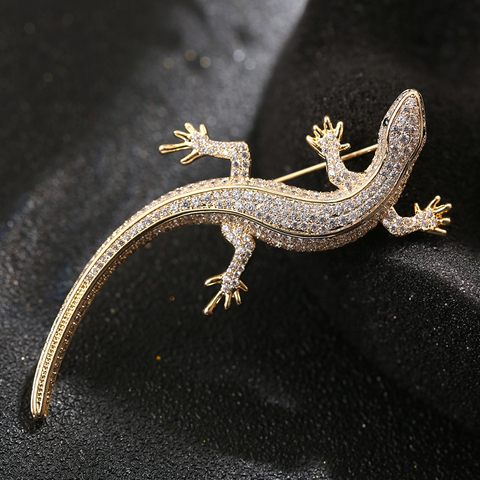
(248, 208)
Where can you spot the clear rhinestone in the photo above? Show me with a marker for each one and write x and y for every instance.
(237, 194)
(339, 209)
(250, 207)
(362, 210)
(332, 223)
(328, 210)
(259, 197)
(248, 195)
(206, 198)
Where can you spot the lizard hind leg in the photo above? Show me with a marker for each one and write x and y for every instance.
(229, 281)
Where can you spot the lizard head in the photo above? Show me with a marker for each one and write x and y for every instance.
(403, 129)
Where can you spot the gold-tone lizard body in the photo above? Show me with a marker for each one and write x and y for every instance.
(248, 208)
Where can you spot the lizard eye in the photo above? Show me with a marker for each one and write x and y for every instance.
(385, 121)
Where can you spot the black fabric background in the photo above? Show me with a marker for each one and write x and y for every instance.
(356, 363)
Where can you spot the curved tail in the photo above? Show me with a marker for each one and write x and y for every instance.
(162, 215)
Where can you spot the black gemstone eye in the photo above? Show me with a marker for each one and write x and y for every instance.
(385, 121)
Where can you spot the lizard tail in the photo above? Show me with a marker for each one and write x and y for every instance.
(162, 215)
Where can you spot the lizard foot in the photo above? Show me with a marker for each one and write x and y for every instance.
(230, 288)
(192, 139)
(431, 218)
(328, 138)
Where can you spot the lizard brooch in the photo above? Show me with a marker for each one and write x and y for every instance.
(269, 210)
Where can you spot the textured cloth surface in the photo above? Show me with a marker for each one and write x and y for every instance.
(356, 363)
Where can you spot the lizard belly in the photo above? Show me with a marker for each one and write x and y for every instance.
(285, 216)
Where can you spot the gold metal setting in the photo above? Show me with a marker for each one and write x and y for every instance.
(269, 210)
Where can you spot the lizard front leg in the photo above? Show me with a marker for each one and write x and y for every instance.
(429, 219)
(230, 280)
(326, 142)
(200, 144)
